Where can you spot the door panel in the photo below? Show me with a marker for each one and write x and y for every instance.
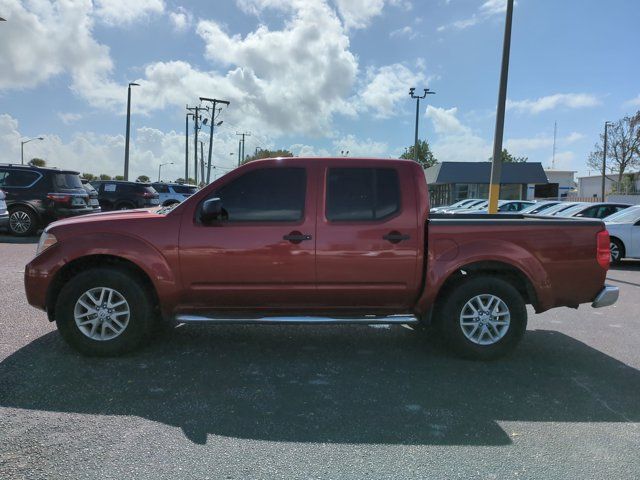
(244, 262)
(367, 245)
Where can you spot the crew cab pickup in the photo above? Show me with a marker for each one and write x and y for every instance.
(314, 240)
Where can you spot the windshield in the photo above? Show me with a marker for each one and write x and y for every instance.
(628, 215)
(538, 207)
(185, 189)
(67, 181)
(558, 208)
(568, 212)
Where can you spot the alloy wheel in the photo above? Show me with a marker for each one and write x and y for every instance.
(20, 222)
(102, 313)
(485, 319)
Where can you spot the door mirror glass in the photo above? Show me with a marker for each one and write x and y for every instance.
(211, 210)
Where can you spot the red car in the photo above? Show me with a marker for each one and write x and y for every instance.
(311, 240)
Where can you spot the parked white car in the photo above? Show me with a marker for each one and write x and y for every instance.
(504, 206)
(624, 231)
(460, 204)
(539, 206)
(593, 210)
(171, 193)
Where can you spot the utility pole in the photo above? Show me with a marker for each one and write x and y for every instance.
(496, 164)
(196, 117)
(126, 140)
(160, 168)
(604, 157)
(241, 156)
(214, 102)
(553, 156)
(418, 98)
(186, 145)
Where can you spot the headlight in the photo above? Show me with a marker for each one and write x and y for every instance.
(46, 241)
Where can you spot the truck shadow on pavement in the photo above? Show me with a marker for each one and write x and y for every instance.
(328, 384)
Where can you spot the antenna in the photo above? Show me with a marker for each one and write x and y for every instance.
(553, 156)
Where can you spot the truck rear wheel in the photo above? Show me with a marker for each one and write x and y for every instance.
(104, 312)
(483, 318)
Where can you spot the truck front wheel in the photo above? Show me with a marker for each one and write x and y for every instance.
(483, 317)
(103, 312)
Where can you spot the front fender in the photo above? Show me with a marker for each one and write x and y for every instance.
(40, 274)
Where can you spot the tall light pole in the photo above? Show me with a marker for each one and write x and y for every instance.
(22, 147)
(160, 168)
(496, 164)
(418, 98)
(126, 139)
(604, 156)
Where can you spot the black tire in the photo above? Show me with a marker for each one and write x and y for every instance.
(620, 251)
(125, 206)
(451, 308)
(23, 222)
(138, 298)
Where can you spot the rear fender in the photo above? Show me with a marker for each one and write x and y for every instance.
(446, 257)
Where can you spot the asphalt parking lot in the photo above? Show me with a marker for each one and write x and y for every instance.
(321, 402)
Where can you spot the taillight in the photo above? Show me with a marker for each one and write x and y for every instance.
(59, 197)
(603, 249)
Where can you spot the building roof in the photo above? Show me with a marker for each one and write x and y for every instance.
(480, 172)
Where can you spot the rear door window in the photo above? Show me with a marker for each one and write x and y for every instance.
(362, 194)
(18, 178)
(67, 181)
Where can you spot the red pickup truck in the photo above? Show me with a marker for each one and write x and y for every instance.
(314, 240)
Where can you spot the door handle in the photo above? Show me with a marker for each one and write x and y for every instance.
(395, 237)
(296, 237)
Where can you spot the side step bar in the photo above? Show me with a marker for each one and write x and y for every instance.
(298, 320)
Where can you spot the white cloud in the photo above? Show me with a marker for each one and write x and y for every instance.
(573, 137)
(360, 148)
(551, 102)
(125, 12)
(181, 19)
(406, 31)
(99, 153)
(302, 150)
(387, 88)
(360, 13)
(69, 117)
(455, 141)
(47, 40)
(488, 9)
(634, 102)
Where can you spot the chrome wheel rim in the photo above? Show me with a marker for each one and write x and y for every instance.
(615, 251)
(19, 221)
(102, 313)
(485, 319)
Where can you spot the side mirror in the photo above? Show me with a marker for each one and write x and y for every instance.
(211, 210)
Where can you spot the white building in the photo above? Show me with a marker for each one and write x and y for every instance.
(591, 186)
(561, 183)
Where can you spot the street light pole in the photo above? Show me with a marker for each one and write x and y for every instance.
(126, 140)
(496, 163)
(22, 147)
(160, 168)
(604, 157)
(186, 147)
(418, 98)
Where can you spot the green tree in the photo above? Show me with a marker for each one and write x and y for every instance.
(509, 158)
(37, 162)
(426, 158)
(88, 176)
(119, 177)
(268, 154)
(143, 178)
(104, 176)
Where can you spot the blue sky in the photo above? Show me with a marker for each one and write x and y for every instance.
(314, 76)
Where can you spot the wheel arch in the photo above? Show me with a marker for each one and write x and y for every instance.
(70, 269)
(496, 269)
(624, 247)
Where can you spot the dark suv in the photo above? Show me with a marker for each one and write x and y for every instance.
(37, 196)
(121, 195)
